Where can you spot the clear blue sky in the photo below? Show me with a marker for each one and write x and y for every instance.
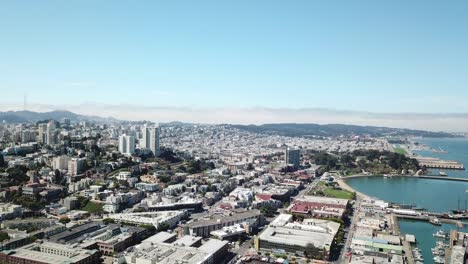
(380, 56)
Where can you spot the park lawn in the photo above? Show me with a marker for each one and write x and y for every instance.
(336, 193)
(400, 151)
(93, 207)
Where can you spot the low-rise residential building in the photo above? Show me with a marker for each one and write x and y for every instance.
(9, 210)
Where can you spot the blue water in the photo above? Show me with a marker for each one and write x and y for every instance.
(434, 195)
(457, 150)
(424, 235)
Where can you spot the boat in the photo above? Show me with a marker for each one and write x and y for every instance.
(417, 249)
(443, 173)
(440, 234)
(439, 260)
(435, 221)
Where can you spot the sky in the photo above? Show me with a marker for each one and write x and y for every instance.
(362, 56)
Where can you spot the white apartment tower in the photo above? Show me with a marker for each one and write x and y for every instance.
(155, 133)
(150, 139)
(126, 144)
(144, 142)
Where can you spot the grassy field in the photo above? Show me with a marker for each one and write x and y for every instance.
(93, 207)
(342, 194)
(323, 190)
(400, 151)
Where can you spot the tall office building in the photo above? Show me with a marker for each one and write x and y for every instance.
(42, 130)
(127, 144)
(150, 139)
(293, 157)
(51, 133)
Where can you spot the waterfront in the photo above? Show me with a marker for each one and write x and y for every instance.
(433, 195)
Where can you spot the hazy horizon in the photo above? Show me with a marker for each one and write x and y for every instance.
(449, 122)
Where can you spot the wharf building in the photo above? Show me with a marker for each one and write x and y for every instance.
(49, 252)
(204, 228)
(319, 207)
(285, 236)
(165, 248)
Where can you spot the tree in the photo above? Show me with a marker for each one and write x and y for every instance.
(268, 210)
(3, 236)
(139, 210)
(64, 220)
(151, 228)
(211, 165)
(18, 174)
(164, 178)
(2, 161)
(347, 160)
(108, 221)
(163, 227)
(312, 251)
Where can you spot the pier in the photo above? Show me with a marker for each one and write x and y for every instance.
(436, 177)
(427, 218)
(435, 163)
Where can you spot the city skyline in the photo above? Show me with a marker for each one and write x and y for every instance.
(394, 57)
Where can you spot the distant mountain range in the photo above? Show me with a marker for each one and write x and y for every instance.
(335, 130)
(31, 117)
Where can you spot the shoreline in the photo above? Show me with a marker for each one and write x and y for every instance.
(343, 185)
